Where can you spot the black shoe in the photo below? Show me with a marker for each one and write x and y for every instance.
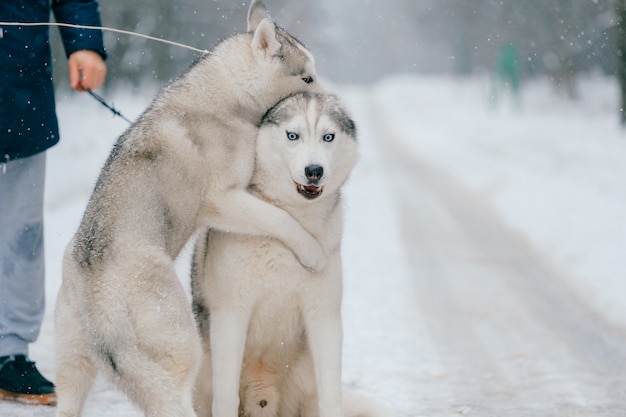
(21, 381)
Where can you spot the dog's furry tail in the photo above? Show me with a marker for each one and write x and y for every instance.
(358, 406)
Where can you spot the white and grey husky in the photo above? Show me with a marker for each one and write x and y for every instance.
(184, 165)
(271, 329)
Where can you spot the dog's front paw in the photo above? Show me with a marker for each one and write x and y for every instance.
(314, 258)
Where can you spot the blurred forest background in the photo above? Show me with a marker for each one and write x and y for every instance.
(361, 41)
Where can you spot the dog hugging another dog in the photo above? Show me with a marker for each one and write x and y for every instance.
(247, 148)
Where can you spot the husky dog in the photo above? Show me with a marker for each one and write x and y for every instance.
(271, 329)
(184, 165)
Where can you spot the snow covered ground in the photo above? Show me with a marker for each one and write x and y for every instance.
(554, 171)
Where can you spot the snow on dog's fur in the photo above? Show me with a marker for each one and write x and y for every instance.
(271, 329)
(184, 165)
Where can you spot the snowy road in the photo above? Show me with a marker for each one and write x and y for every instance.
(510, 339)
(514, 343)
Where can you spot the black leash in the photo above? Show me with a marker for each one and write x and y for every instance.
(108, 106)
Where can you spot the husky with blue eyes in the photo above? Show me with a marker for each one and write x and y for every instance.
(272, 329)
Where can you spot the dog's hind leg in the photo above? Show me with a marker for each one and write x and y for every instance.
(155, 389)
(148, 341)
(75, 371)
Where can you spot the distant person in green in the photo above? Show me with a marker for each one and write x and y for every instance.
(507, 74)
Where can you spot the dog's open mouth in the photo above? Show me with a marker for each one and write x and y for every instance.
(309, 191)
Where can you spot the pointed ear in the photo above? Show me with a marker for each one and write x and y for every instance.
(256, 13)
(265, 41)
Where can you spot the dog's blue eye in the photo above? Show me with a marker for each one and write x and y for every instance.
(329, 137)
(307, 80)
(292, 136)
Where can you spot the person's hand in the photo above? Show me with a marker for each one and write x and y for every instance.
(87, 70)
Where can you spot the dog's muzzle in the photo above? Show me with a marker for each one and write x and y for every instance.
(309, 192)
(313, 174)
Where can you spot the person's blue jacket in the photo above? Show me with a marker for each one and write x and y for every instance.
(28, 123)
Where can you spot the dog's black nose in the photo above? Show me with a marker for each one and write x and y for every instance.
(314, 172)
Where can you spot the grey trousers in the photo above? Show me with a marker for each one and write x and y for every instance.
(22, 266)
